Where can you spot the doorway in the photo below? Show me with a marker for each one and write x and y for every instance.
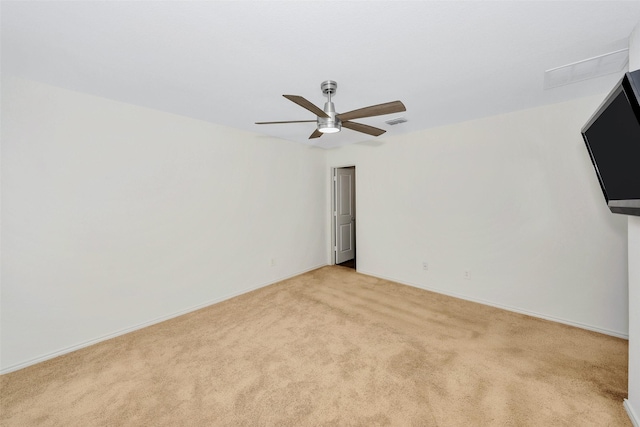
(344, 216)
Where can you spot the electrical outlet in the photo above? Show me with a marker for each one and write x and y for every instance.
(425, 266)
(467, 275)
(273, 262)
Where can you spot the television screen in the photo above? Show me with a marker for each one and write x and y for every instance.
(612, 136)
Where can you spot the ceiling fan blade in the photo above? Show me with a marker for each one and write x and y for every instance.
(316, 134)
(306, 104)
(373, 110)
(359, 127)
(290, 121)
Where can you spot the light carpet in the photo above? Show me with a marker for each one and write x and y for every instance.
(332, 347)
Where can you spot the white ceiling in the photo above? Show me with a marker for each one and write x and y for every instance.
(230, 62)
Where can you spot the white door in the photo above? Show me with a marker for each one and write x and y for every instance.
(345, 213)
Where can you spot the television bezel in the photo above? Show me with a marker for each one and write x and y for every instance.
(629, 84)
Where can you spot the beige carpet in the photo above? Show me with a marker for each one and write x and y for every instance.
(332, 347)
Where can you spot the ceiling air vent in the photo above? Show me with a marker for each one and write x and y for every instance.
(597, 66)
(397, 121)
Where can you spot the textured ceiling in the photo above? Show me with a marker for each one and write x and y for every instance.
(230, 62)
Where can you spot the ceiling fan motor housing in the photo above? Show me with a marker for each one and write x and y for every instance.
(331, 124)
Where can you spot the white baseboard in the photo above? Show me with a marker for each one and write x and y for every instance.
(506, 307)
(84, 344)
(632, 415)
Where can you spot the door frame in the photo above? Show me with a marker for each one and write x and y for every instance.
(333, 186)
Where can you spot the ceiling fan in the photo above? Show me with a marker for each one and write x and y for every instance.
(328, 121)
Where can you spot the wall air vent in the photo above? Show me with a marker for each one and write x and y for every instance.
(396, 121)
(597, 66)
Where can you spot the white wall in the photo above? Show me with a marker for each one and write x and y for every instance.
(512, 199)
(633, 402)
(114, 216)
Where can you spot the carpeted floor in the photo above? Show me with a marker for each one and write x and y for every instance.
(332, 347)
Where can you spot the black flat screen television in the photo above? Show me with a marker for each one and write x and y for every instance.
(612, 136)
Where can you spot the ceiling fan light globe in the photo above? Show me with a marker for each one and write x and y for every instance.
(328, 129)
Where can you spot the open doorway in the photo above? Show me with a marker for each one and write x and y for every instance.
(344, 216)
